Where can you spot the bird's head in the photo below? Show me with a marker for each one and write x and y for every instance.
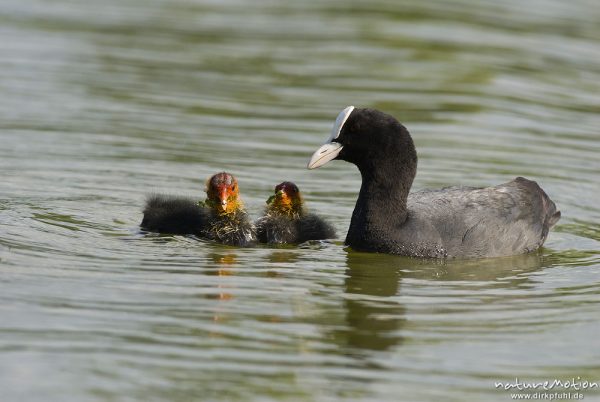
(222, 194)
(286, 200)
(367, 138)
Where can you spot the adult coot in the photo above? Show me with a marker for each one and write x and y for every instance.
(466, 222)
(286, 221)
(221, 217)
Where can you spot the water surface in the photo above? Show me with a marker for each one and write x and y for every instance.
(105, 102)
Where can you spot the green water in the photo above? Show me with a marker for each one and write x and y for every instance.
(104, 102)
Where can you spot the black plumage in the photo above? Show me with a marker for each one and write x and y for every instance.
(466, 222)
(183, 216)
(286, 222)
(220, 218)
(174, 215)
(281, 229)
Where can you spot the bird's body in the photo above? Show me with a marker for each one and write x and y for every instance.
(464, 222)
(235, 229)
(280, 229)
(174, 215)
(220, 218)
(286, 222)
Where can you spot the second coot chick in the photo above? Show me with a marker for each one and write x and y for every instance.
(221, 217)
(286, 221)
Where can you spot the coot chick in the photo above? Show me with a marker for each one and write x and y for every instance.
(221, 217)
(286, 221)
(456, 222)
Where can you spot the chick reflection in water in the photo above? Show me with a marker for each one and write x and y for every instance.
(224, 264)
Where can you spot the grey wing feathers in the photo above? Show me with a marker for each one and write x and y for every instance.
(549, 215)
(510, 218)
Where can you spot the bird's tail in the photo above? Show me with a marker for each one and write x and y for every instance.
(549, 213)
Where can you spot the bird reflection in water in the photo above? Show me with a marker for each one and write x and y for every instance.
(491, 273)
(224, 264)
(374, 312)
(374, 318)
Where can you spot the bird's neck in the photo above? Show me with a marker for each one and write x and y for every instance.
(385, 193)
(382, 202)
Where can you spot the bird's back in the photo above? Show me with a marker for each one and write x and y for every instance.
(313, 227)
(507, 219)
(174, 215)
(282, 229)
(277, 229)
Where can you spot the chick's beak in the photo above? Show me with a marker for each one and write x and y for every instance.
(223, 198)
